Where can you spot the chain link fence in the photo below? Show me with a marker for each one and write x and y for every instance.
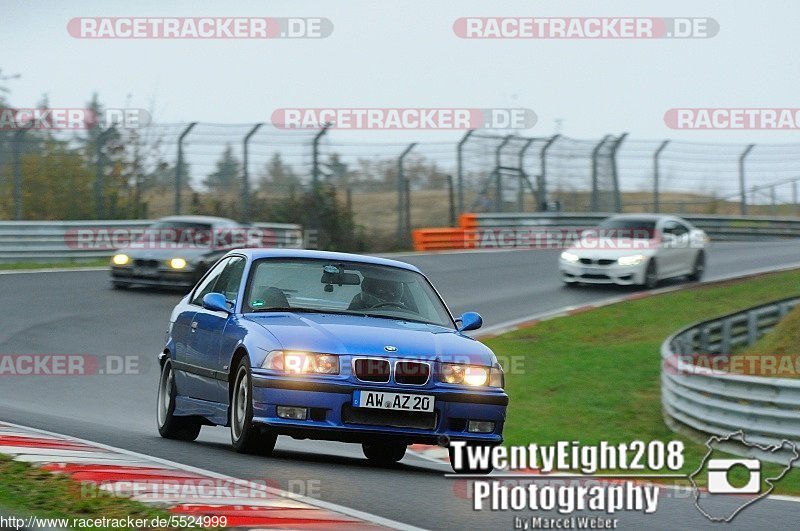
(258, 172)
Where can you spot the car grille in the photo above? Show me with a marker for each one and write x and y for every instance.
(382, 417)
(595, 277)
(371, 370)
(601, 261)
(145, 263)
(411, 372)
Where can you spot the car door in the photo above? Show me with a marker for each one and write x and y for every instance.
(684, 252)
(192, 366)
(208, 327)
(669, 255)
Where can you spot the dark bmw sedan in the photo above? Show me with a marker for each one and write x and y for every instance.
(176, 251)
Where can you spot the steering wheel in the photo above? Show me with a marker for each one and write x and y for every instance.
(389, 303)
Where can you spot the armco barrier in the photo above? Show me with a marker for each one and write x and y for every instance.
(37, 241)
(706, 402)
(472, 227)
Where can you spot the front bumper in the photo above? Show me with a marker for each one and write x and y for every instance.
(598, 274)
(128, 275)
(332, 416)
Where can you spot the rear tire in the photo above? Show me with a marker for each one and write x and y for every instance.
(247, 437)
(699, 267)
(384, 453)
(169, 425)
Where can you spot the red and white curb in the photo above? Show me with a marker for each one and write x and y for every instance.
(180, 489)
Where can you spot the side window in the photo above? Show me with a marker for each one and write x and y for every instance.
(231, 278)
(670, 227)
(680, 229)
(207, 286)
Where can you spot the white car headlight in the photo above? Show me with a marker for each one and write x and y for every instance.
(569, 257)
(121, 259)
(635, 259)
(177, 263)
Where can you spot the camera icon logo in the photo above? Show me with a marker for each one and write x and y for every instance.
(719, 483)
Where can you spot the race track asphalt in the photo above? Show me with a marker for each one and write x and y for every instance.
(77, 313)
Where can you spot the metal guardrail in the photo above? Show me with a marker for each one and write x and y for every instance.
(473, 228)
(708, 402)
(717, 227)
(43, 241)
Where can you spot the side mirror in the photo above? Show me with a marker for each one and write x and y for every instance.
(216, 302)
(470, 321)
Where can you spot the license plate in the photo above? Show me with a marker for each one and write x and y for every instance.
(145, 272)
(393, 401)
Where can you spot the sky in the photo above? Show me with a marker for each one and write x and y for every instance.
(406, 54)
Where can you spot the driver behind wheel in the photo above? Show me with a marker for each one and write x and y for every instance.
(376, 291)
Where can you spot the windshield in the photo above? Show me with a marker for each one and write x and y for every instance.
(177, 233)
(343, 287)
(627, 228)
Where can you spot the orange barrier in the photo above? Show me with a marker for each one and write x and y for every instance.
(468, 221)
(442, 239)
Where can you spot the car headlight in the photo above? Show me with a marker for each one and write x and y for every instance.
(294, 362)
(569, 257)
(120, 259)
(472, 375)
(177, 263)
(635, 259)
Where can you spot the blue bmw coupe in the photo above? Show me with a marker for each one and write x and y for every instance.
(329, 346)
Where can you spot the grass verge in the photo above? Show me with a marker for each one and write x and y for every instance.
(595, 376)
(99, 262)
(27, 490)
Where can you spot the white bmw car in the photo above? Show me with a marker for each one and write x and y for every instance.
(635, 249)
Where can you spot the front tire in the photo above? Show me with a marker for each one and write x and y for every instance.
(169, 425)
(384, 453)
(650, 275)
(247, 437)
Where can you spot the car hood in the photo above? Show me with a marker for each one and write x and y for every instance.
(612, 249)
(357, 335)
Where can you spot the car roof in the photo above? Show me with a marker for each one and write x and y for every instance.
(197, 219)
(255, 254)
(648, 217)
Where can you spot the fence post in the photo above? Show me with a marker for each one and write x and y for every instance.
(402, 203)
(246, 173)
(523, 177)
(742, 190)
(614, 176)
(657, 177)
(595, 190)
(498, 183)
(460, 170)
(542, 184)
(451, 201)
(179, 168)
(18, 143)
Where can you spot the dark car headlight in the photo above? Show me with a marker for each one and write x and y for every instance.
(296, 362)
(472, 375)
